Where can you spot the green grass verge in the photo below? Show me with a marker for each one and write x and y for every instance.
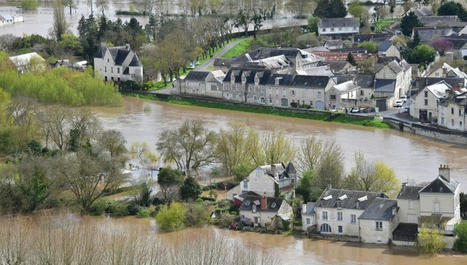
(321, 116)
(238, 49)
(384, 23)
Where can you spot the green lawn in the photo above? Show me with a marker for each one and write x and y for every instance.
(238, 49)
(319, 115)
(384, 23)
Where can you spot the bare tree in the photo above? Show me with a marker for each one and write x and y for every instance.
(309, 154)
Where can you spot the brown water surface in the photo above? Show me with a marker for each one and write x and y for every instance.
(413, 158)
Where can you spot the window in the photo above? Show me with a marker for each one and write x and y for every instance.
(112, 70)
(411, 204)
(460, 124)
(325, 228)
(256, 220)
(293, 92)
(361, 93)
(426, 102)
(308, 221)
(254, 210)
(460, 112)
(379, 226)
(340, 229)
(332, 29)
(452, 122)
(436, 207)
(426, 94)
(118, 70)
(339, 216)
(442, 120)
(311, 103)
(324, 215)
(105, 69)
(333, 96)
(452, 111)
(353, 219)
(245, 185)
(324, 30)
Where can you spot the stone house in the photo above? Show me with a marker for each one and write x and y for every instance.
(447, 71)
(343, 95)
(387, 49)
(393, 80)
(261, 210)
(424, 104)
(408, 201)
(379, 221)
(452, 110)
(268, 180)
(365, 95)
(118, 64)
(200, 83)
(338, 27)
(338, 211)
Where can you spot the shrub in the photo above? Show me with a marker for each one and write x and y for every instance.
(370, 46)
(460, 230)
(226, 220)
(196, 214)
(171, 218)
(99, 207)
(190, 190)
(143, 213)
(430, 242)
(133, 209)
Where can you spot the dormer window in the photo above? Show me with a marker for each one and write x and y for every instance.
(327, 198)
(362, 199)
(343, 197)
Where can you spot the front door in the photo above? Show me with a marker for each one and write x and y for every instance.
(381, 104)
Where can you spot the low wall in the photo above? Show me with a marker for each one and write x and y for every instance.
(431, 132)
(403, 243)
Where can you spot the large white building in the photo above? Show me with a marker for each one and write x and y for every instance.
(338, 27)
(118, 64)
(424, 105)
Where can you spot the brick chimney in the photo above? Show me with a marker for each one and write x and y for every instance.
(264, 203)
(444, 172)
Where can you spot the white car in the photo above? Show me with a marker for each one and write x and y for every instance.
(399, 103)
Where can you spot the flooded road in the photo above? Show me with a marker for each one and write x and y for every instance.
(413, 158)
(300, 251)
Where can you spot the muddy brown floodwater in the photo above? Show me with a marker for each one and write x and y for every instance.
(413, 158)
(300, 251)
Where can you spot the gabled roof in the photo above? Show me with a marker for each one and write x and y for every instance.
(439, 90)
(440, 185)
(430, 33)
(335, 66)
(309, 209)
(119, 55)
(409, 192)
(372, 37)
(432, 21)
(273, 203)
(310, 81)
(347, 199)
(380, 209)
(455, 71)
(196, 75)
(385, 85)
(365, 80)
(338, 22)
(135, 61)
(384, 46)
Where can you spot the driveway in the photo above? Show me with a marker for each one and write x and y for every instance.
(204, 66)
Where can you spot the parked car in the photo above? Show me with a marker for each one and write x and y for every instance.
(399, 103)
(355, 110)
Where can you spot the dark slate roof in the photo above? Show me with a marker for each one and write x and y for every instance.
(135, 61)
(250, 73)
(290, 169)
(409, 192)
(121, 55)
(351, 202)
(380, 209)
(335, 66)
(284, 79)
(126, 71)
(196, 75)
(338, 22)
(100, 52)
(385, 85)
(365, 80)
(422, 82)
(432, 21)
(429, 33)
(384, 46)
(310, 209)
(265, 52)
(310, 81)
(273, 203)
(440, 185)
(372, 37)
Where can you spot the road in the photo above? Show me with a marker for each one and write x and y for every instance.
(204, 66)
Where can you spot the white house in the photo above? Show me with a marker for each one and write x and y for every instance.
(452, 110)
(28, 62)
(308, 216)
(424, 106)
(338, 211)
(391, 82)
(338, 27)
(343, 95)
(379, 221)
(260, 210)
(118, 64)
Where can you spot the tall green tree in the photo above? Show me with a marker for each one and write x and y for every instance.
(190, 190)
(169, 180)
(408, 22)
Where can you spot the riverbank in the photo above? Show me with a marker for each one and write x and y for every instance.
(291, 113)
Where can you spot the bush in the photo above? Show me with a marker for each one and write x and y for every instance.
(226, 220)
(190, 190)
(117, 209)
(460, 230)
(171, 218)
(430, 242)
(133, 209)
(143, 213)
(99, 207)
(370, 46)
(196, 214)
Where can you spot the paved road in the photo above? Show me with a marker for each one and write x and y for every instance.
(204, 66)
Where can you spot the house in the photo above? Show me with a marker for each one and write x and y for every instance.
(338, 27)
(377, 37)
(408, 201)
(337, 211)
(297, 59)
(268, 180)
(201, 83)
(424, 104)
(440, 204)
(338, 67)
(321, 70)
(447, 71)
(308, 216)
(452, 110)
(343, 95)
(378, 221)
(392, 81)
(440, 21)
(118, 64)
(28, 62)
(261, 210)
(334, 44)
(341, 55)
(365, 95)
(387, 49)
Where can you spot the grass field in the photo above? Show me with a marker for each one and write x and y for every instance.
(384, 23)
(238, 49)
(321, 115)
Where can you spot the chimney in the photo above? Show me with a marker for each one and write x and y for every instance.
(127, 46)
(444, 172)
(264, 203)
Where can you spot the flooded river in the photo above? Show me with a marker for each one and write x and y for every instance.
(413, 158)
(300, 251)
